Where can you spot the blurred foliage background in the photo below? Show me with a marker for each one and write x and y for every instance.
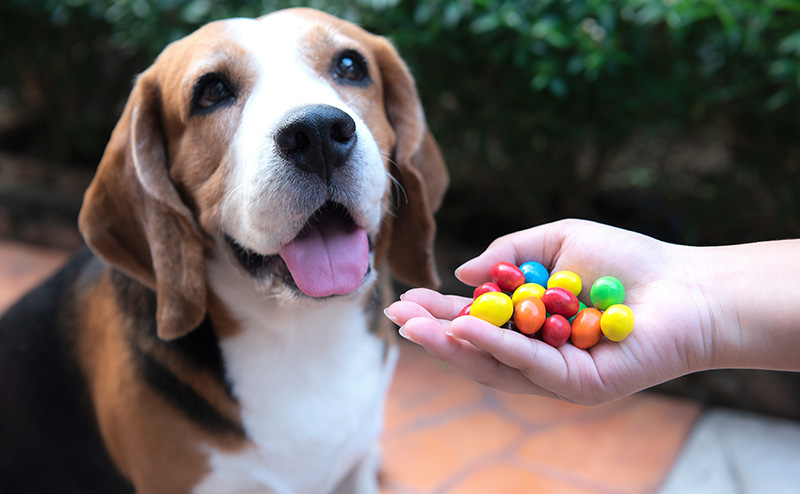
(677, 118)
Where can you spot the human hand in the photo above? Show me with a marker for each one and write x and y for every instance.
(673, 317)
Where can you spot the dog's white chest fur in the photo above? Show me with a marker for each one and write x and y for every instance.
(311, 383)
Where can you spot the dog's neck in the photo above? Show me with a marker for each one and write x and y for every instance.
(324, 411)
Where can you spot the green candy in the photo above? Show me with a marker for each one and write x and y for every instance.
(607, 291)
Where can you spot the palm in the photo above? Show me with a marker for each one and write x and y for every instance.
(666, 323)
(665, 309)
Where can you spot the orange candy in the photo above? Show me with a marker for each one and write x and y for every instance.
(554, 312)
(586, 328)
(529, 315)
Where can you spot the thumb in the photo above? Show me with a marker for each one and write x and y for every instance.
(476, 271)
(541, 244)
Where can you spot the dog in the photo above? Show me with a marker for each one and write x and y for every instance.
(223, 332)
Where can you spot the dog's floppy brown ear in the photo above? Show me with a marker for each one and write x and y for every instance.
(134, 218)
(421, 172)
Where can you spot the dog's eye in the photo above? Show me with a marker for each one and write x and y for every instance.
(350, 66)
(209, 92)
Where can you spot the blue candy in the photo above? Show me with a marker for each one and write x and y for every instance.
(535, 273)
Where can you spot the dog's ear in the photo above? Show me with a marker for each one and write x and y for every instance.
(133, 216)
(420, 171)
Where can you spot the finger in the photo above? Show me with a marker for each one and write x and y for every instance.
(466, 359)
(440, 306)
(403, 311)
(541, 244)
(432, 335)
(563, 371)
(511, 348)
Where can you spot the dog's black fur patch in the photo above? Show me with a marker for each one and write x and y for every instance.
(49, 438)
(199, 349)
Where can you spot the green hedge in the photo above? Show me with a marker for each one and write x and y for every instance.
(540, 106)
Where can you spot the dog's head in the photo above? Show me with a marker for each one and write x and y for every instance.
(294, 145)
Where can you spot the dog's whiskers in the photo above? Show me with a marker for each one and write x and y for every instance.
(397, 190)
(225, 204)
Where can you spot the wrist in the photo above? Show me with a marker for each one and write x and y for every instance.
(707, 324)
(752, 297)
(720, 329)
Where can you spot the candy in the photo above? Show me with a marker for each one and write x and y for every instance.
(581, 306)
(493, 307)
(556, 330)
(507, 276)
(555, 310)
(617, 322)
(527, 290)
(486, 287)
(567, 280)
(529, 315)
(607, 291)
(586, 328)
(535, 273)
(560, 301)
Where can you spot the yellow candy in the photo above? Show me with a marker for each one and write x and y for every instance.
(566, 280)
(617, 322)
(493, 307)
(527, 290)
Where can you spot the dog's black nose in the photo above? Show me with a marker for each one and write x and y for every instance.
(316, 138)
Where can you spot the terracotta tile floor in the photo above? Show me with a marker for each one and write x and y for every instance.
(445, 434)
(22, 267)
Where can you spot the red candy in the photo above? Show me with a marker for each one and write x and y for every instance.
(543, 310)
(561, 301)
(486, 287)
(507, 276)
(556, 330)
(529, 315)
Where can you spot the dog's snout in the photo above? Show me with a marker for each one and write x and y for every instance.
(317, 138)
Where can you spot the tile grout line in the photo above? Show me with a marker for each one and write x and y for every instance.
(679, 452)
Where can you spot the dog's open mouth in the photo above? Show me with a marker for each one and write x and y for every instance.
(330, 255)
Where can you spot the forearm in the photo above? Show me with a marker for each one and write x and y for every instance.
(754, 291)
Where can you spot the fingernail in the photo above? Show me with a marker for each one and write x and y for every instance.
(391, 317)
(402, 333)
(461, 268)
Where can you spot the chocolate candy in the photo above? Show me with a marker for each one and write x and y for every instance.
(567, 280)
(617, 322)
(527, 290)
(581, 306)
(529, 315)
(586, 328)
(560, 301)
(556, 311)
(493, 307)
(607, 291)
(535, 273)
(486, 287)
(556, 330)
(507, 276)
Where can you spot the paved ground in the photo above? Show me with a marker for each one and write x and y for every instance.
(445, 434)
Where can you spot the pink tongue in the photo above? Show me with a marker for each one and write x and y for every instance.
(330, 257)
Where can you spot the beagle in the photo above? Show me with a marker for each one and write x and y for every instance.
(222, 336)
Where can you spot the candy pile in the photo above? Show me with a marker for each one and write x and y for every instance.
(555, 309)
